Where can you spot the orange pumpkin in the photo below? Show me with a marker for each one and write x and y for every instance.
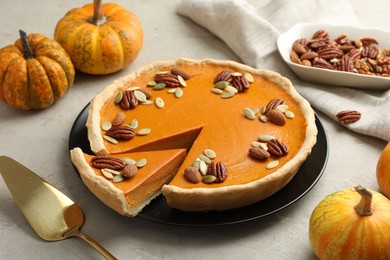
(351, 224)
(383, 171)
(100, 39)
(34, 72)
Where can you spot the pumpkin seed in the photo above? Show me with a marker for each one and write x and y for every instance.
(248, 77)
(221, 85)
(264, 146)
(202, 167)
(210, 153)
(113, 172)
(181, 81)
(263, 109)
(110, 139)
(236, 74)
(133, 88)
(282, 108)
(216, 91)
(209, 179)
(266, 138)
(106, 174)
(159, 86)
(128, 160)
(255, 110)
(204, 158)
(141, 163)
(162, 72)
(134, 123)
(147, 102)
(227, 94)
(106, 125)
(196, 164)
(140, 96)
(118, 178)
(118, 97)
(144, 131)
(231, 89)
(151, 83)
(272, 165)
(263, 118)
(159, 102)
(255, 144)
(178, 92)
(290, 114)
(171, 90)
(249, 113)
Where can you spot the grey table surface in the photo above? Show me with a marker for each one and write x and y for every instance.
(39, 140)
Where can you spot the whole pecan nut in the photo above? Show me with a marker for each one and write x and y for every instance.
(181, 73)
(168, 79)
(121, 132)
(348, 116)
(276, 117)
(219, 170)
(129, 101)
(258, 153)
(277, 148)
(130, 170)
(273, 104)
(104, 161)
(240, 83)
(224, 75)
(192, 175)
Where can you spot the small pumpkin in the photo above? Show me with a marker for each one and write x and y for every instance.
(100, 39)
(34, 72)
(383, 171)
(351, 224)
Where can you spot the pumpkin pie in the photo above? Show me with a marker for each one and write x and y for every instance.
(232, 135)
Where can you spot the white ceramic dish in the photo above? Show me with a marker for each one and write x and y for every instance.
(330, 77)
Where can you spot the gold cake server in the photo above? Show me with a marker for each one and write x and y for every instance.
(50, 213)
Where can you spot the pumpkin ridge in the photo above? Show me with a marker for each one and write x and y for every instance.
(56, 76)
(14, 91)
(38, 81)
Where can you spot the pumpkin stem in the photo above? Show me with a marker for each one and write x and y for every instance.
(27, 52)
(364, 207)
(98, 17)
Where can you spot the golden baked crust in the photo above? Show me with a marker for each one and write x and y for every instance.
(217, 196)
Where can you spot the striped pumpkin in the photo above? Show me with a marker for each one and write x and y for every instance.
(351, 224)
(100, 39)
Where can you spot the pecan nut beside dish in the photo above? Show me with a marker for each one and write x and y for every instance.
(348, 116)
(103, 161)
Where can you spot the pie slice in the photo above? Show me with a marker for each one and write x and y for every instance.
(246, 131)
(130, 195)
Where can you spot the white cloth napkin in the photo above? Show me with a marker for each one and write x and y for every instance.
(251, 32)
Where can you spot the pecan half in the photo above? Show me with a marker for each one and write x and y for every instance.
(104, 161)
(219, 170)
(322, 64)
(240, 83)
(273, 104)
(129, 101)
(169, 80)
(224, 75)
(121, 132)
(258, 153)
(348, 116)
(346, 64)
(369, 52)
(181, 73)
(277, 148)
(298, 48)
(276, 117)
(119, 119)
(130, 170)
(320, 34)
(330, 53)
(354, 54)
(192, 175)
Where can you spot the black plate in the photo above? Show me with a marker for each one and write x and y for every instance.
(159, 211)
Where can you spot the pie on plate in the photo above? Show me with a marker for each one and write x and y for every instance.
(208, 134)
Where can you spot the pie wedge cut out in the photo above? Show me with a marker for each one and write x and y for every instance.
(189, 114)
